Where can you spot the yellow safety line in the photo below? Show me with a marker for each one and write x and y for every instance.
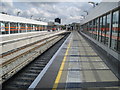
(61, 69)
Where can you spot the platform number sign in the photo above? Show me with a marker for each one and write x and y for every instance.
(2, 27)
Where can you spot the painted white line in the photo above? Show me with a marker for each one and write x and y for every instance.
(39, 77)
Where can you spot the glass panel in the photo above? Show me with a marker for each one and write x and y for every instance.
(4, 27)
(100, 30)
(119, 33)
(95, 28)
(42, 27)
(85, 28)
(107, 36)
(38, 28)
(103, 29)
(29, 27)
(114, 30)
(90, 28)
(119, 39)
(35, 27)
(22, 27)
(0, 28)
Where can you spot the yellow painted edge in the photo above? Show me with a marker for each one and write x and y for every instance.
(61, 69)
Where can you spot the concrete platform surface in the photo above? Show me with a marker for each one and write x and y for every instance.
(77, 66)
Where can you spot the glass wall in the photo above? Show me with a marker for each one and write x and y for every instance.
(114, 38)
(105, 29)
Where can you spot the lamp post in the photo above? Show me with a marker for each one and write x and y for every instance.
(93, 3)
(86, 12)
(18, 13)
(83, 16)
(31, 16)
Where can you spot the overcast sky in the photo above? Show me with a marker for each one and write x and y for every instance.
(68, 11)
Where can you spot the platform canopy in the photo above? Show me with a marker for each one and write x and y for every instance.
(15, 19)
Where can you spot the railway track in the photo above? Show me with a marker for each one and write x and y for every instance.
(24, 78)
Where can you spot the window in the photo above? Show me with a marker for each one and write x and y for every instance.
(107, 33)
(114, 37)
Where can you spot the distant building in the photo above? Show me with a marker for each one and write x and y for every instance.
(54, 26)
(75, 26)
(58, 20)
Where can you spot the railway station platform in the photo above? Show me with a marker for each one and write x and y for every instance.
(76, 66)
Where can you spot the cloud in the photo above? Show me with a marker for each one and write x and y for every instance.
(34, 10)
(60, 0)
(16, 11)
(68, 11)
(6, 6)
(6, 3)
